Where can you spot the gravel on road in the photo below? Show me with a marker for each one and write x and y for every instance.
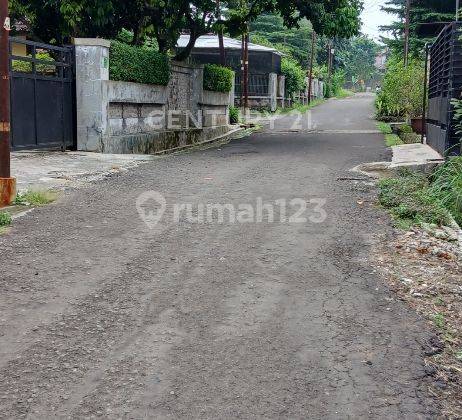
(102, 317)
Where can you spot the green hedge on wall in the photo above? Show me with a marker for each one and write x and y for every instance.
(218, 78)
(129, 63)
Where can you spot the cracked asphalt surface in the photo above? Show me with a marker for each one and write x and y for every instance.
(102, 317)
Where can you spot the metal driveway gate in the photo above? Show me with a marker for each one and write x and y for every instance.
(42, 95)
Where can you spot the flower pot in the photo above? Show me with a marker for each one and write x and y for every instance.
(7, 191)
(418, 125)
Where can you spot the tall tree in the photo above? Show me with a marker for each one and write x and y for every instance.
(427, 18)
(357, 58)
(295, 41)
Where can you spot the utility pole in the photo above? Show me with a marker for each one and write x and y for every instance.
(329, 66)
(246, 70)
(406, 32)
(7, 183)
(241, 98)
(424, 103)
(310, 77)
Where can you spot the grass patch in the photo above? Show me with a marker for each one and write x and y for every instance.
(5, 219)
(411, 201)
(447, 186)
(392, 140)
(438, 320)
(384, 127)
(299, 107)
(344, 93)
(35, 198)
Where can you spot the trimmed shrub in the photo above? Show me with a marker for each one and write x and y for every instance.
(218, 78)
(129, 63)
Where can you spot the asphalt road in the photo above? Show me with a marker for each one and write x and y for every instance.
(101, 316)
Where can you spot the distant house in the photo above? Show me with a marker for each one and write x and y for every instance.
(266, 84)
(262, 60)
(381, 59)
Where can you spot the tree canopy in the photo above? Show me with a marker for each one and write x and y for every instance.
(58, 20)
(357, 59)
(427, 19)
(296, 41)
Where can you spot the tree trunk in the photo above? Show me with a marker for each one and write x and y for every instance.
(186, 51)
(136, 35)
(222, 48)
(220, 38)
(162, 45)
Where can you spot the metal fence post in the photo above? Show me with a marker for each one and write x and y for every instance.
(7, 183)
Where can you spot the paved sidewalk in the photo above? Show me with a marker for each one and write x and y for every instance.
(59, 170)
(415, 154)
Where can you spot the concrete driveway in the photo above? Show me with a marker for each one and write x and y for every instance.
(102, 316)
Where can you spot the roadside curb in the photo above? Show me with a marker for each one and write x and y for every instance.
(189, 146)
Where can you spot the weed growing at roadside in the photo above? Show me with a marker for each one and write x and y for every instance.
(344, 93)
(234, 116)
(35, 198)
(447, 186)
(384, 127)
(392, 140)
(5, 219)
(411, 201)
(439, 301)
(299, 107)
(439, 321)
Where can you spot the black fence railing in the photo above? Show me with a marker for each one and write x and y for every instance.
(258, 84)
(445, 84)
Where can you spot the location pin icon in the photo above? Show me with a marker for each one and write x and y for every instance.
(151, 206)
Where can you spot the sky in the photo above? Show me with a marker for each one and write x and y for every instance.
(373, 17)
